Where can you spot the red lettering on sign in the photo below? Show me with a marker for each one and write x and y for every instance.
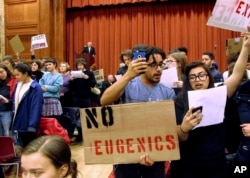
(141, 143)
(239, 7)
(109, 146)
(157, 146)
(97, 147)
(170, 140)
(119, 145)
(132, 145)
(150, 144)
(129, 145)
(243, 9)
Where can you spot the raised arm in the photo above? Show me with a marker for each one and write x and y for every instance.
(235, 79)
(114, 92)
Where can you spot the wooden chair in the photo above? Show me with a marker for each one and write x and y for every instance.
(7, 153)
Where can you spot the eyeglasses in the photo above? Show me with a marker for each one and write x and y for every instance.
(155, 65)
(170, 61)
(201, 76)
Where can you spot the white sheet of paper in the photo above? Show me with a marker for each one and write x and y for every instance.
(230, 15)
(117, 77)
(2, 98)
(169, 76)
(213, 101)
(77, 73)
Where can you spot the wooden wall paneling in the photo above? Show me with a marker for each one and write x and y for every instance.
(32, 17)
(59, 17)
(53, 24)
(46, 26)
(21, 18)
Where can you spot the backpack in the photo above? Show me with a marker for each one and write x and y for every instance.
(50, 126)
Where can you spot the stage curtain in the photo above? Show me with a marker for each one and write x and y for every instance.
(113, 29)
(83, 3)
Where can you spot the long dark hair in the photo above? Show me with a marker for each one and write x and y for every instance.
(9, 73)
(182, 99)
(24, 68)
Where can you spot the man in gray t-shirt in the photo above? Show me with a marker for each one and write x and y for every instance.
(141, 84)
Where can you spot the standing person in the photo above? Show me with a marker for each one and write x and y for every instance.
(89, 49)
(51, 83)
(108, 82)
(65, 92)
(140, 88)
(125, 58)
(9, 62)
(202, 150)
(36, 70)
(28, 102)
(178, 60)
(208, 59)
(81, 89)
(7, 85)
(184, 51)
(48, 156)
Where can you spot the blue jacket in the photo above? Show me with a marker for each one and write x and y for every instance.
(218, 77)
(29, 111)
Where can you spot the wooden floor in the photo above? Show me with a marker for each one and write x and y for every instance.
(89, 171)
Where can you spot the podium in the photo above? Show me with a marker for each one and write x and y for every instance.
(90, 60)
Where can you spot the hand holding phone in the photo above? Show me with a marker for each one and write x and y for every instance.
(138, 54)
(196, 109)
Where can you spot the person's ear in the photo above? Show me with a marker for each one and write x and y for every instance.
(63, 171)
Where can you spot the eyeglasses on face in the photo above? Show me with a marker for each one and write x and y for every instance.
(201, 76)
(155, 65)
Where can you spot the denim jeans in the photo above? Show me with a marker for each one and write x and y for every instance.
(5, 121)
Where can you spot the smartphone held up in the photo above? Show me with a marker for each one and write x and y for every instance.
(139, 54)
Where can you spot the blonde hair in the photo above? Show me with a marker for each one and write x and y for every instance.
(181, 60)
(68, 68)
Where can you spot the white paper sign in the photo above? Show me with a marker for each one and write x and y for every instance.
(117, 77)
(169, 76)
(231, 15)
(77, 73)
(38, 42)
(213, 101)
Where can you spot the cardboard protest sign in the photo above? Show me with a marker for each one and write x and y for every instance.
(231, 15)
(16, 44)
(233, 45)
(99, 75)
(39, 41)
(122, 133)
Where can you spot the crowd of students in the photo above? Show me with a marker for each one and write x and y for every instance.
(203, 150)
(31, 90)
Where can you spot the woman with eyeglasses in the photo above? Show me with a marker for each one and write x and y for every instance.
(202, 149)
